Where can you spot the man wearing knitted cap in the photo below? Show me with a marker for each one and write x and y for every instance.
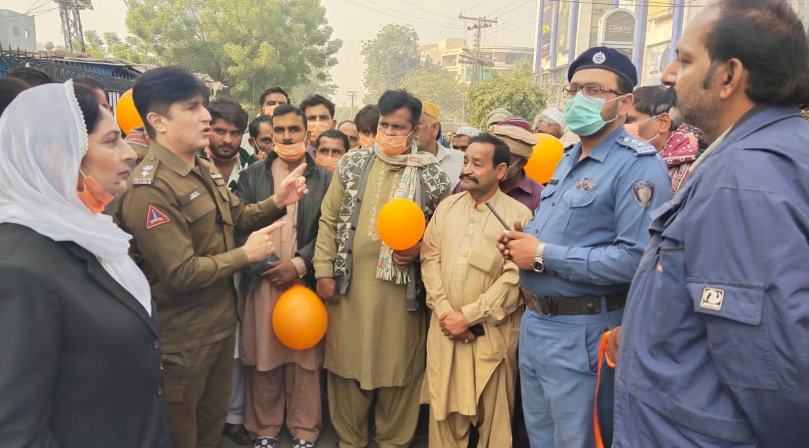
(496, 116)
(516, 132)
(578, 254)
(427, 141)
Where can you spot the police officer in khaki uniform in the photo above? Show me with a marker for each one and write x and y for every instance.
(183, 219)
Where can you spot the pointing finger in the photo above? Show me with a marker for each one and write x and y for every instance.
(273, 227)
(297, 172)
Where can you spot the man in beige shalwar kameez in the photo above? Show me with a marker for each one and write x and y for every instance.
(475, 297)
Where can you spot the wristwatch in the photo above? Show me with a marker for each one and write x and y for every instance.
(539, 263)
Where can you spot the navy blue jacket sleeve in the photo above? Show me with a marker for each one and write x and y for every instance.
(747, 258)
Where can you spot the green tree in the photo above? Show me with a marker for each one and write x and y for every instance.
(94, 44)
(514, 90)
(388, 57)
(130, 49)
(431, 83)
(324, 87)
(249, 45)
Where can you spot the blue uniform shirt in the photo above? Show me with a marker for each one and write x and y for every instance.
(714, 350)
(594, 217)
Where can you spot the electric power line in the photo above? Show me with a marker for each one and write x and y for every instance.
(427, 10)
(30, 8)
(405, 19)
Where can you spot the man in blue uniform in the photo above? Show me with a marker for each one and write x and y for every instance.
(579, 253)
(714, 351)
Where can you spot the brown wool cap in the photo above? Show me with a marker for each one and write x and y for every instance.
(520, 142)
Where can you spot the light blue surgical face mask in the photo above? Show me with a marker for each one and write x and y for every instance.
(583, 114)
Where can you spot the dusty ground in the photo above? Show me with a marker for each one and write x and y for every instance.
(328, 439)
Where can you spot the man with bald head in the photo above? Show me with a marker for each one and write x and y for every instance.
(715, 342)
(349, 129)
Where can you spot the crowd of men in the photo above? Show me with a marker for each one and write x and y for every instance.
(671, 243)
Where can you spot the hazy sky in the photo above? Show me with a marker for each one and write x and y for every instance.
(353, 21)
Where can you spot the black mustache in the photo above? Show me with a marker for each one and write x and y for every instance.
(671, 96)
(470, 177)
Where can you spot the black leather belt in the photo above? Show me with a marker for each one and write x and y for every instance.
(553, 306)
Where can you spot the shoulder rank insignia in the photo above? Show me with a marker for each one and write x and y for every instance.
(638, 146)
(644, 192)
(217, 177)
(155, 217)
(147, 172)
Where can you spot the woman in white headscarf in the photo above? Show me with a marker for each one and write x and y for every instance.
(79, 349)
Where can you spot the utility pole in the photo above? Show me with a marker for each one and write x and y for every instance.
(71, 22)
(477, 60)
(353, 95)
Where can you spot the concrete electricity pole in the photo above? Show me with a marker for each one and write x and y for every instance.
(477, 62)
(71, 22)
(352, 94)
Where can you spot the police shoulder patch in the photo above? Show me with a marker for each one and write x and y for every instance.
(147, 169)
(155, 217)
(638, 146)
(644, 192)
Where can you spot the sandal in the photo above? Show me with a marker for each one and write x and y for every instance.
(264, 442)
(300, 443)
(241, 436)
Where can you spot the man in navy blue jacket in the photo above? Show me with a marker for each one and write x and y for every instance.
(714, 350)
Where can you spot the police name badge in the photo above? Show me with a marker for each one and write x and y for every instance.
(142, 181)
(586, 184)
(643, 192)
(712, 299)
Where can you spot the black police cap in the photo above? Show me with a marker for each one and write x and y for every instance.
(607, 59)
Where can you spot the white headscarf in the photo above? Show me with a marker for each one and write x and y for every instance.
(39, 171)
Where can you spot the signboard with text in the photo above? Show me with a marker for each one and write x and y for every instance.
(617, 28)
(545, 39)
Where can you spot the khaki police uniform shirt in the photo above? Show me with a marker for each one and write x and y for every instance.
(183, 221)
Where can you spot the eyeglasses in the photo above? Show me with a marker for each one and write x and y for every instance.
(590, 91)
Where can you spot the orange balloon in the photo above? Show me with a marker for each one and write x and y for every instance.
(126, 114)
(547, 154)
(401, 224)
(299, 318)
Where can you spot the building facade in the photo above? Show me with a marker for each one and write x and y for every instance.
(645, 30)
(17, 31)
(454, 56)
